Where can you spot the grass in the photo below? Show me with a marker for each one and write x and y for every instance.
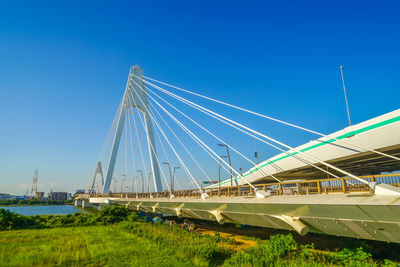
(111, 245)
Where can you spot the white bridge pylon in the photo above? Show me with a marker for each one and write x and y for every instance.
(135, 96)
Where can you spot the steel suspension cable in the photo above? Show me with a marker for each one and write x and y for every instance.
(132, 154)
(140, 150)
(274, 146)
(151, 145)
(264, 136)
(273, 119)
(213, 135)
(166, 138)
(190, 154)
(212, 151)
(187, 150)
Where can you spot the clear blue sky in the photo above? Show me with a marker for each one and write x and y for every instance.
(64, 64)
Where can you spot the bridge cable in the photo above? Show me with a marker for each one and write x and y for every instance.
(284, 151)
(276, 120)
(187, 150)
(151, 145)
(165, 154)
(132, 154)
(140, 150)
(213, 135)
(265, 136)
(298, 158)
(150, 116)
(190, 154)
(126, 157)
(212, 151)
(166, 138)
(178, 139)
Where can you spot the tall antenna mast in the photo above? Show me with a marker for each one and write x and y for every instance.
(345, 95)
(34, 184)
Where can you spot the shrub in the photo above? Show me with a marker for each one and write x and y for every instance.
(112, 214)
(266, 253)
(11, 220)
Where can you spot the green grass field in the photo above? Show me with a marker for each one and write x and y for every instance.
(109, 245)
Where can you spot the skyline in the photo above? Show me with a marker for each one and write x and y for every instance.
(63, 71)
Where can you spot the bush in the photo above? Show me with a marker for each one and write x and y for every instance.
(266, 253)
(11, 220)
(112, 214)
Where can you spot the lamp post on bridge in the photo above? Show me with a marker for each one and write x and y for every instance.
(141, 172)
(115, 184)
(173, 177)
(229, 158)
(134, 183)
(219, 174)
(123, 181)
(171, 174)
(148, 182)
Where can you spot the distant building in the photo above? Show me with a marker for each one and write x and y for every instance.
(58, 196)
(39, 195)
(80, 191)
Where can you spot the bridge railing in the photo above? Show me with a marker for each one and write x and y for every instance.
(301, 187)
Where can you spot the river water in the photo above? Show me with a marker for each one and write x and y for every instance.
(44, 210)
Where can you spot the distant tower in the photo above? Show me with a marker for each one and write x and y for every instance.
(34, 184)
(99, 170)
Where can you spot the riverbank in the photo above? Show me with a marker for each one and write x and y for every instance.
(116, 236)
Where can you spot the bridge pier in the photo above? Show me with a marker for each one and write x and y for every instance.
(295, 223)
(86, 203)
(218, 216)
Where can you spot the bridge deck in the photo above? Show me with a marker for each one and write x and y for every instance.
(342, 207)
(299, 187)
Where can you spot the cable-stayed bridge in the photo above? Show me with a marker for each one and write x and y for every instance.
(190, 158)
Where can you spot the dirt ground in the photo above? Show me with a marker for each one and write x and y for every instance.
(241, 242)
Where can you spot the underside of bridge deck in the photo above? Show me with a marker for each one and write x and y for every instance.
(358, 215)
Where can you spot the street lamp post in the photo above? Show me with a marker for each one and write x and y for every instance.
(229, 158)
(148, 182)
(115, 184)
(123, 181)
(141, 172)
(219, 174)
(170, 173)
(173, 177)
(124, 185)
